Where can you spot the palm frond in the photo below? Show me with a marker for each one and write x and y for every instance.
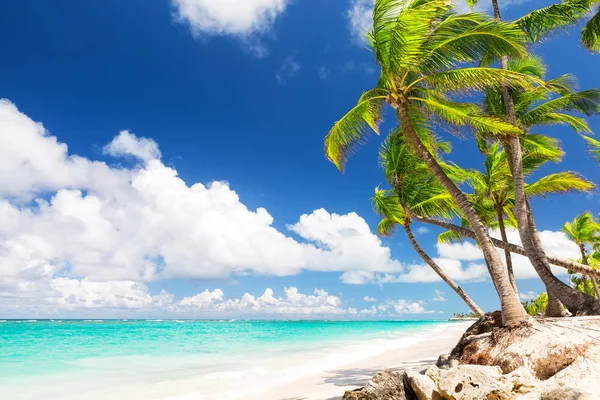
(594, 147)
(478, 79)
(354, 127)
(578, 124)
(461, 114)
(590, 34)
(449, 237)
(539, 23)
(386, 227)
(561, 182)
(466, 38)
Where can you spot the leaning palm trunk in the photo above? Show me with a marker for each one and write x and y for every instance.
(513, 312)
(513, 149)
(461, 293)
(507, 255)
(513, 248)
(585, 261)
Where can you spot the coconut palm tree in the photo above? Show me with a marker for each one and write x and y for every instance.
(584, 230)
(422, 48)
(542, 22)
(556, 103)
(493, 187)
(416, 189)
(539, 24)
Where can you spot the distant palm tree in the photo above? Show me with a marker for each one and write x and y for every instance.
(415, 190)
(495, 185)
(584, 230)
(420, 46)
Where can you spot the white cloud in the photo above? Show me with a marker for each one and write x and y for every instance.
(422, 230)
(293, 303)
(528, 296)
(67, 216)
(360, 19)
(460, 251)
(127, 144)
(403, 306)
(288, 69)
(438, 295)
(229, 17)
(369, 299)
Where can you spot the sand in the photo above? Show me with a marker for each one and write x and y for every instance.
(331, 385)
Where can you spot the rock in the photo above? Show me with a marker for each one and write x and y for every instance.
(421, 386)
(566, 393)
(468, 382)
(522, 381)
(385, 385)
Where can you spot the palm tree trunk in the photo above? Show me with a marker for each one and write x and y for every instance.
(585, 261)
(574, 300)
(513, 312)
(556, 289)
(507, 255)
(513, 248)
(461, 293)
(536, 260)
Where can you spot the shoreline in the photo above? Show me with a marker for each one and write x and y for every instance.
(313, 371)
(331, 385)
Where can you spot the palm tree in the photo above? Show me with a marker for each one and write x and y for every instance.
(415, 189)
(594, 146)
(494, 184)
(556, 103)
(584, 230)
(420, 46)
(538, 24)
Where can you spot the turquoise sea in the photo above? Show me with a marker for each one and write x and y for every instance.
(72, 359)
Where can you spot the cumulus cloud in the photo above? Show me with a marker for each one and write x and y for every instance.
(403, 306)
(438, 295)
(369, 299)
(67, 216)
(127, 144)
(229, 17)
(293, 303)
(246, 20)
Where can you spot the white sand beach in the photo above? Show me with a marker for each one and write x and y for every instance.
(331, 384)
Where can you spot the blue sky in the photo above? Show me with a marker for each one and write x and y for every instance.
(235, 92)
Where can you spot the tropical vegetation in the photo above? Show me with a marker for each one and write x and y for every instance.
(473, 75)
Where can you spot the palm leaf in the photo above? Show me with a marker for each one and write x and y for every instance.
(539, 23)
(562, 182)
(594, 147)
(590, 34)
(354, 127)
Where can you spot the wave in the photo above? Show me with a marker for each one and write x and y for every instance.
(93, 320)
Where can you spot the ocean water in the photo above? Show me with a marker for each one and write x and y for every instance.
(176, 359)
